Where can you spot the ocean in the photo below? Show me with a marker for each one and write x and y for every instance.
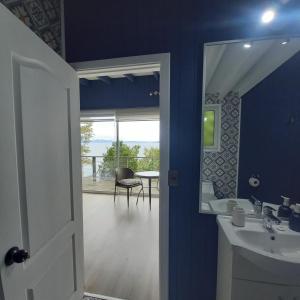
(99, 147)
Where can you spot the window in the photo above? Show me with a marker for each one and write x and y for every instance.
(212, 127)
(121, 138)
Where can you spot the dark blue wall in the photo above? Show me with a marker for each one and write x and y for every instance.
(119, 93)
(269, 144)
(106, 29)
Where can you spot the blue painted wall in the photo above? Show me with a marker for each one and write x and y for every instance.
(120, 93)
(107, 29)
(269, 144)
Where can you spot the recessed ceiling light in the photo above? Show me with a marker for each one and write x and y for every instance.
(268, 16)
(284, 42)
(247, 45)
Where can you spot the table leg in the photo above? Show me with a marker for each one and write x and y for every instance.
(150, 192)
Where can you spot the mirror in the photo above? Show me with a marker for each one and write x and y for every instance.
(251, 124)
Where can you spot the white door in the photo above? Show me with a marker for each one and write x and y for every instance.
(40, 188)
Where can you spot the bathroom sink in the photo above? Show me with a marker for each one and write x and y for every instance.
(285, 245)
(220, 205)
(278, 252)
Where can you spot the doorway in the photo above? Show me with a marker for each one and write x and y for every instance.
(129, 65)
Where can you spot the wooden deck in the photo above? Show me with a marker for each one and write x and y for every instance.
(107, 186)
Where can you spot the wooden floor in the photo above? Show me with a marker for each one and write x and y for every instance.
(121, 247)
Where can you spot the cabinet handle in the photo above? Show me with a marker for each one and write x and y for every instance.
(280, 298)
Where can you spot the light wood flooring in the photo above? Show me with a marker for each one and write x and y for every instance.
(121, 247)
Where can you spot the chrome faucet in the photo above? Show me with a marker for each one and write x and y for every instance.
(257, 204)
(269, 219)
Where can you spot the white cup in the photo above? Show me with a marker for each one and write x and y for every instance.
(238, 216)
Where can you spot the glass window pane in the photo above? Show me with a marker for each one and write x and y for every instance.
(97, 139)
(139, 145)
(209, 128)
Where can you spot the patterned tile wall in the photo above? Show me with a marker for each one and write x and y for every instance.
(221, 167)
(42, 16)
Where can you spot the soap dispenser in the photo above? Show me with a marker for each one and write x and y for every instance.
(284, 210)
(294, 223)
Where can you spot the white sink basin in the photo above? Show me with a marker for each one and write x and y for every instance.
(278, 253)
(220, 205)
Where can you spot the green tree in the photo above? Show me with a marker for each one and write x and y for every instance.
(86, 132)
(209, 127)
(127, 158)
(150, 161)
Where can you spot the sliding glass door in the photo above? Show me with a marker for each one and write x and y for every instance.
(111, 142)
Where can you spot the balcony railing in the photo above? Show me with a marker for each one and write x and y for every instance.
(98, 172)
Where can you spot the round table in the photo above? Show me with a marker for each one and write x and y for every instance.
(148, 175)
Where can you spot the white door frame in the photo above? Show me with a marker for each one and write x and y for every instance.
(133, 62)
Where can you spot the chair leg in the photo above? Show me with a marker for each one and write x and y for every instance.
(128, 197)
(137, 199)
(115, 193)
(143, 193)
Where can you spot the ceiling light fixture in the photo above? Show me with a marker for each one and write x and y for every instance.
(268, 16)
(247, 45)
(284, 42)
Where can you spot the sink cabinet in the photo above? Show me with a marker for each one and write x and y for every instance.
(240, 279)
(248, 290)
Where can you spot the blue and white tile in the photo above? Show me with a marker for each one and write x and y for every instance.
(221, 167)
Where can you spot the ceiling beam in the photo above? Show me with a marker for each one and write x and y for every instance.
(105, 79)
(156, 75)
(130, 77)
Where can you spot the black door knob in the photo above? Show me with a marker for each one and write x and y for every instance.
(15, 255)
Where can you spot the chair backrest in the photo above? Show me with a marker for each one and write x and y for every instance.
(124, 173)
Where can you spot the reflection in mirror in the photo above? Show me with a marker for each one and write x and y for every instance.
(251, 124)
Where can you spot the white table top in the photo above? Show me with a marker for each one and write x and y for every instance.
(147, 174)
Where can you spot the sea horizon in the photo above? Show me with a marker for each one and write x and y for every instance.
(98, 147)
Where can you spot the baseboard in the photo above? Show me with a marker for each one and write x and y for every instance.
(100, 297)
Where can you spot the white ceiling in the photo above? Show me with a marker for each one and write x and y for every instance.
(231, 67)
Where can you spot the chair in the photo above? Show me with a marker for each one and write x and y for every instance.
(124, 178)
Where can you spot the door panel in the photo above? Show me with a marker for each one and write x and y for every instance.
(46, 154)
(61, 276)
(40, 186)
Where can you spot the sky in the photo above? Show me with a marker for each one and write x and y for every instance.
(128, 131)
